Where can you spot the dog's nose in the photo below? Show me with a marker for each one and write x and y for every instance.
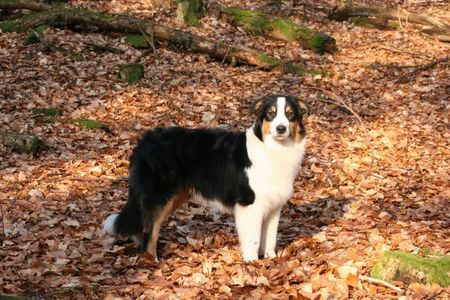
(281, 129)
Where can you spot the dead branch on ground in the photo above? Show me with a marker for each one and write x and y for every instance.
(381, 17)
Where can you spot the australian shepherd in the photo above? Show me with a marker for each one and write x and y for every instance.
(249, 174)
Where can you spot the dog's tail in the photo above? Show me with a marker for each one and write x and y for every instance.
(128, 222)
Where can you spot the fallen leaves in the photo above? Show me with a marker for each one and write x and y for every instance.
(364, 188)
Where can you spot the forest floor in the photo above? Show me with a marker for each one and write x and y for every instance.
(368, 184)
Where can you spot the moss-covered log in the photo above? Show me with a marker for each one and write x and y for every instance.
(67, 17)
(391, 18)
(255, 22)
(408, 268)
(25, 4)
(189, 12)
(22, 143)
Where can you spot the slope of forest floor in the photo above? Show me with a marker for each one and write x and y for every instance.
(370, 182)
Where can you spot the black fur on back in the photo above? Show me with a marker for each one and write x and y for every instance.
(210, 162)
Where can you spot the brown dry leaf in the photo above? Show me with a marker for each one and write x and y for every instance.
(364, 187)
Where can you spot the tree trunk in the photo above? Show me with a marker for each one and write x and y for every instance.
(189, 12)
(386, 17)
(255, 22)
(66, 17)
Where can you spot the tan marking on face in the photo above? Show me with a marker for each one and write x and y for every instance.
(265, 128)
(162, 214)
(295, 131)
(289, 109)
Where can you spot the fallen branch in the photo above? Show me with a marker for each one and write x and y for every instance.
(380, 282)
(66, 17)
(25, 4)
(101, 47)
(407, 76)
(3, 235)
(255, 22)
(340, 101)
(391, 18)
(87, 179)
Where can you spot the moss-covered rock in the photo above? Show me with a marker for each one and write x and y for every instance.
(10, 26)
(35, 35)
(137, 41)
(131, 73)
(408, 268)
(22, 143)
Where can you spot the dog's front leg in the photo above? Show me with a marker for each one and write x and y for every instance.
(269, 234)
(248, 225)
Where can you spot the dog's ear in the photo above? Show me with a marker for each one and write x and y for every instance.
(255, 107)
(304, 107)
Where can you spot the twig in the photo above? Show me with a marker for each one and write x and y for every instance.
(101, 47)
(341, 107)
(340, 100)
(3, 225)
(416, 54)
(380, 282)
(151, 40)
(406, 77)
(400, 19)
(171, 103)
(89, 179)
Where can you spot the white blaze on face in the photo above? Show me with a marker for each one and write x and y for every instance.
(280, 119)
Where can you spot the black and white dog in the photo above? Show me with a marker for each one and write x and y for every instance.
(249, 174)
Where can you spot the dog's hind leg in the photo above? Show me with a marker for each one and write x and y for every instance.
(154, 219)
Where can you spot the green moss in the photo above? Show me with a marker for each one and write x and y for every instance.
(36, 35)
(249, 20)
(137, 41)
(408, 267)
(269, 60)
(91, 124)
(11, 297)
(131, 73)
(10, 26)
(284, 29)
(22, 143)
(189, 12)
(47, 111)
(55, 1)
(85, 12)
(73, 55)
(322, 43)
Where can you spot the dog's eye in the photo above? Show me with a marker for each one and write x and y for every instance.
(290, 115)
(271, 114)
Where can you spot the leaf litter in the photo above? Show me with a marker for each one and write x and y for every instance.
(365, 187)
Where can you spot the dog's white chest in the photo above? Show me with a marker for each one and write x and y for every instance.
(273, 170)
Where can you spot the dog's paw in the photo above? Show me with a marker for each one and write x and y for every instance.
(249, 257)
(270, 254)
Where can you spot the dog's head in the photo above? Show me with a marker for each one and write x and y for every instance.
(279, 117)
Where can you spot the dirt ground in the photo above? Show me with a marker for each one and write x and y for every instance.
(375, 178)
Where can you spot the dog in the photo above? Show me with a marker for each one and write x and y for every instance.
(250, 174)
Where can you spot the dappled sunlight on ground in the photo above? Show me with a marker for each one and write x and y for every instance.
(365, 187)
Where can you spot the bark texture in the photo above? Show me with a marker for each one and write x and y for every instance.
(387, 17)
(67, 17)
